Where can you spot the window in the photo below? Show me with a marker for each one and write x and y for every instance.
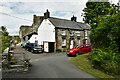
(78, 33)
(78, 41)
(87, 46)
(71, 33)
(81, 46)
(86, 34)
(36, 41)
(32, 45)
(86, 37)
(63, 42)
(63, 33)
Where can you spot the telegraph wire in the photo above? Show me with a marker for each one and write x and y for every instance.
(14, 16)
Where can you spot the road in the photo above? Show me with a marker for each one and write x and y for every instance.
(47, 65)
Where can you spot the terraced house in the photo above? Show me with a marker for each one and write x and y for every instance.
(62, 33)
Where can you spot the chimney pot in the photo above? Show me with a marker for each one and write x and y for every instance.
(46, 14)
(74, 18)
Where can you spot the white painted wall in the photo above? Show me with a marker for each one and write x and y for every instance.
(46, 32)
(33, 38)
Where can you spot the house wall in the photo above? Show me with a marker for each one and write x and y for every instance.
(64, 39)
(72, 38)
(46, 32)
(24, 30)
(37, 20)
(33, 38)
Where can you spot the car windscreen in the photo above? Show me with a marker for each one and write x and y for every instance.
(36, 45)
(80, 46)
(77, 47)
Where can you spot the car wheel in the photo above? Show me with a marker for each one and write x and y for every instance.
(68, 55)
(77, 53)
(32, 51)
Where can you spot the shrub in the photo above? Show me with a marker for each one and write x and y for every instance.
(106, 61)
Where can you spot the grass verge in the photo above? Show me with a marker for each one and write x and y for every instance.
(84, 64)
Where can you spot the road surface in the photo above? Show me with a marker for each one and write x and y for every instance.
(47, 65)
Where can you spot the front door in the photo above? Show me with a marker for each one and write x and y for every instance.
(71, 44)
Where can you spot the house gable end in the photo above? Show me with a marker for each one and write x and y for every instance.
(46, 32)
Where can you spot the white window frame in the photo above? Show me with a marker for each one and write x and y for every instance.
(86, 33)
(78, 41)
(72, 33)
(63, 33)
(86, 37)
(63, 42)
(78, 33)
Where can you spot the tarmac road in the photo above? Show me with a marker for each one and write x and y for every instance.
(49, 65)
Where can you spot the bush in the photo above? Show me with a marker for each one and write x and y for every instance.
(106, 61)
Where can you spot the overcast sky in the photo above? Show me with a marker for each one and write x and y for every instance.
(14, 13)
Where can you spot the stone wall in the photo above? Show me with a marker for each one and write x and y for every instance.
(25, 29)
(37, 20)
(68, 35)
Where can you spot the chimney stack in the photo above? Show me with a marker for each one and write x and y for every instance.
(34, 18)
(74, 18)
(47, 14)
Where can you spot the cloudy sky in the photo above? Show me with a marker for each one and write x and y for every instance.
(14, 13)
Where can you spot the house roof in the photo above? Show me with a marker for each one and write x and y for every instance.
(29, 35)
(84, 26)
(68, 24)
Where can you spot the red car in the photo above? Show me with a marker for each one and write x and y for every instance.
(81, 49)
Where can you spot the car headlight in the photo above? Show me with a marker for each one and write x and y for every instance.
(71, 51)
(35, 49)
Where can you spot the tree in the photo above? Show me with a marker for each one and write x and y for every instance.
(95, 10)
(5, 38)
(104, 20)
(107, 32)
(4, 30)
(106, 40)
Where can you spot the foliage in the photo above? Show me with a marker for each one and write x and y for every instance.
(105, 22)
(95, 10)
(105, 39)
(17, 40)
(5, 38)
(106, 35)
(106, 61)
(5, 42)
(84, 64)
(4, 30)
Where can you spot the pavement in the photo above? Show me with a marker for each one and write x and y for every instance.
(47, 65)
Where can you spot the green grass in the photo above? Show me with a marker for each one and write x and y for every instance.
(84, 64)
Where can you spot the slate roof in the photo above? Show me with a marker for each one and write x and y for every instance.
(29, 35)
(68, 24)
(84, 26)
